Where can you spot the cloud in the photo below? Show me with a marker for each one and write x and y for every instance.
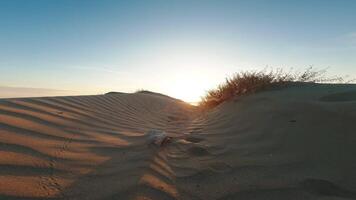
(16, 92)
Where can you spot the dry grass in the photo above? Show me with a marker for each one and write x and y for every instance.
(252, 81)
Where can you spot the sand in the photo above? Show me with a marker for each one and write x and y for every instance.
(292, 143)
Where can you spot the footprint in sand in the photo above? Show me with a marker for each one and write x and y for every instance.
(193, 139)
(198, 151)
(219, 167)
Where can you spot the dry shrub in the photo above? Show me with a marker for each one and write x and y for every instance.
(252, 81)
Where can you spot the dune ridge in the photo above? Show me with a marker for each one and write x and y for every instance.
(291, 143)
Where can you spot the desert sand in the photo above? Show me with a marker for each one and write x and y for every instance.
(297, 142)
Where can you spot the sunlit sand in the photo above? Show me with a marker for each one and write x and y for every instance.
(290, 143)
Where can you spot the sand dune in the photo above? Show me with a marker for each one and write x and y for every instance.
(292, 143)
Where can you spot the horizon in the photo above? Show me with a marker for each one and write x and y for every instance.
(178, 48)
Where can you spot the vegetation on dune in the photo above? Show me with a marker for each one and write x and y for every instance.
(143, 91)
(248, 82)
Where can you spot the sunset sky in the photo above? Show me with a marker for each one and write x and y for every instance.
(179, 48)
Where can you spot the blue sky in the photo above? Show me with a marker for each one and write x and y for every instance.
(168, 46)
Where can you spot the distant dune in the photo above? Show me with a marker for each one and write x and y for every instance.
(292, 143)
(16, 92)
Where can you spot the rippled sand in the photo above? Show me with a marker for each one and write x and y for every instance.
(293, 143)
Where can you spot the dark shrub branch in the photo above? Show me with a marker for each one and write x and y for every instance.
(252, 81)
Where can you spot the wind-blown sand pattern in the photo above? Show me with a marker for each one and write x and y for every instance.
(293, 143)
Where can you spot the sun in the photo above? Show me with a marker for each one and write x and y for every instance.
(188, 91)
(184, 70)
(190, 86)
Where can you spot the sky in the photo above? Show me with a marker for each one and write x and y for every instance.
(176, 47)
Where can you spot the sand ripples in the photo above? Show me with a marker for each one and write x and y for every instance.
(96, 147)
(83, 147)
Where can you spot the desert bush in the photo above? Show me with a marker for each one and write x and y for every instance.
(247, 82)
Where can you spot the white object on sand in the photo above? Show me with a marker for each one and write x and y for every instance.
(157, 137)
